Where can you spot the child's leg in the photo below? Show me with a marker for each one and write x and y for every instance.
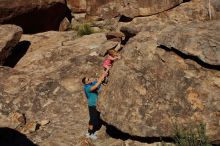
(107, 68)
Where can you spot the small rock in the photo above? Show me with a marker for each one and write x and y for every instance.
(113, 35)
(44, 122)
(30, 127)
(64, 25)
(93, 54)
(17, 119)
(96, 29)
(10, 36)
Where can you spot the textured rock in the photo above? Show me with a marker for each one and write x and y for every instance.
(215, 12)
(77, 6)
(113, 35)
(44, 122)
(46, 84)
(149, 7)
(110, 9)
(185, 13)
(17, 119)
(108, 45)
(151, 88)
(33, 15)
(64, 25)
(30, 127)
(14, 120)
(129, 8)
(10, 36)
(201, 40)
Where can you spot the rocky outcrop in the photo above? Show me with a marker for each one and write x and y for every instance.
(186, 13)
(33, 16)
(46, 85)
(215, 11)
(146, 8)
(64, 25)
(109, 9)
(77, 6)
(10, 36)
(200, 40)
(151, 88)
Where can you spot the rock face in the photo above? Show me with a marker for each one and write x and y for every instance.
(130, 8)
(200, 40)
(151, 88)
(10, 36)
(77, 6)
(33, 16)
(215, 12)
(46, 84)
(149, 7)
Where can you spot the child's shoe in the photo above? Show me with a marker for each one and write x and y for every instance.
(87, 135)
(93, 136)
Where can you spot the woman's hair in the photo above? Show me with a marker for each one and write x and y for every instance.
(84, 80)
(112, 52)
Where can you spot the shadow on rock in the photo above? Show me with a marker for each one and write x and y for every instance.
(17, 53)
(11, 137)
(114, 132)
(191, 57)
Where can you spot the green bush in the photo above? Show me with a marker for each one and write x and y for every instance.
(193, 135)
(84, 29)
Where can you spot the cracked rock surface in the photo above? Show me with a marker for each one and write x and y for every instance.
(200, 39)
(150, 88)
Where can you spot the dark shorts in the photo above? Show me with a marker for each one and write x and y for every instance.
(94, 116)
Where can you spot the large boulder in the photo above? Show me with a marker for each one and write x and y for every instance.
(130, 8)
(152, 89)
(46, 84)
(149, 87)
(135, 8)
(77, 6)
(186, 13)
(200, 40)
(33, 16)
(149, 7)
(10, 36)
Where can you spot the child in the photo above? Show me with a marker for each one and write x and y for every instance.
(107, 64)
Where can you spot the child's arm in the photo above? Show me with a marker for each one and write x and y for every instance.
(116, 57)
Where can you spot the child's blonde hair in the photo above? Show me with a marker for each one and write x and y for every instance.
(112, 53)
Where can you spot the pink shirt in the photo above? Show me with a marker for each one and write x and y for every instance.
(108, 62)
